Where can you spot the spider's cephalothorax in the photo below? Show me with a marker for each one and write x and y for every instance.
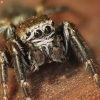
(36, 41)
(39, 34)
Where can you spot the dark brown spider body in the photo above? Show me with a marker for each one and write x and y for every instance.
(36, 41)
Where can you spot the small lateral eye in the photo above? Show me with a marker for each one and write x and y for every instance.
(38, 33)
(47, 30)
(52, 23)
(28, 34)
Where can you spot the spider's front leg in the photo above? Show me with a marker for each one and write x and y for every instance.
(4, 74)
(19, 65)
(4, 26)
(13, 47)
(80, 48)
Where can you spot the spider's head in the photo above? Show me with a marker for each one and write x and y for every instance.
(36, 29)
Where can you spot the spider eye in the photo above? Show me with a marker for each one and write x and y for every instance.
(28, 34)
(47, 30)
(38, 33)
(52, 23)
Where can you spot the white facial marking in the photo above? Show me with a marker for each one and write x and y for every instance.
(41, 27)
(44, 40)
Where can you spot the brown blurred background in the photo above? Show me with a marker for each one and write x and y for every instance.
(67, 81)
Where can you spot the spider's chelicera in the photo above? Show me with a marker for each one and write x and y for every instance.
(36, 41)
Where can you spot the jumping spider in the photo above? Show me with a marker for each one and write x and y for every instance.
(36, 41)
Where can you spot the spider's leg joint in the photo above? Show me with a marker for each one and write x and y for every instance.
(4, 74)
(65, 30)
(80, 49)
(90, 67)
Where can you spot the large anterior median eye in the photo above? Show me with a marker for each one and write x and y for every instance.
(37, 33)
(47, 30)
